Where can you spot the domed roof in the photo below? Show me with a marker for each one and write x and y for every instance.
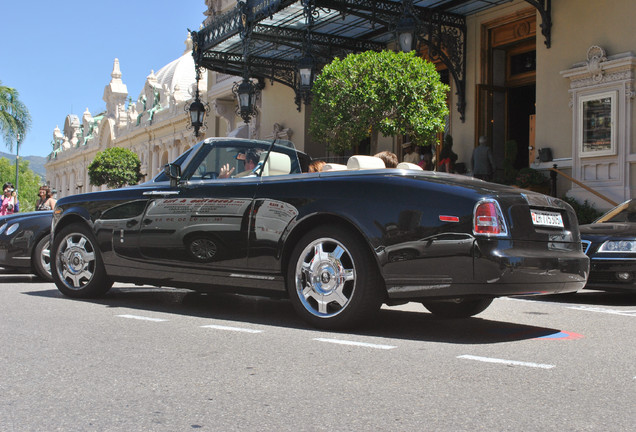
(179, 73)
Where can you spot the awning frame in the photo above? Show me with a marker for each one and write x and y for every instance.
(267, 38)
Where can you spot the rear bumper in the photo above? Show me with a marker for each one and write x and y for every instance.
(502, 269)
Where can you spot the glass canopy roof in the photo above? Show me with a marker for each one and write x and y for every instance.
(266, 38)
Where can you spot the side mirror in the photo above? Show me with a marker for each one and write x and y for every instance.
(173, 172)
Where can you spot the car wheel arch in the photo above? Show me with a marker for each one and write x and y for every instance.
(69, 220)
(314, 221)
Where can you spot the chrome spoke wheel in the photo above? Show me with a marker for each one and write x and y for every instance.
(75, 260)
(203, 249)
(325, 277)
(45, 257)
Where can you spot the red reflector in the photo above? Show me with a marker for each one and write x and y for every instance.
(486, 220)
(448, 218)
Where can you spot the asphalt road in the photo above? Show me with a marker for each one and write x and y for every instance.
(151, 359)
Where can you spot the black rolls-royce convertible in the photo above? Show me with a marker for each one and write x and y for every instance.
(337, 243)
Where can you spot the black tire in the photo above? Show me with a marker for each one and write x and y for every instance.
(41, 259)
(347, 286)
(77, 266)
(458, 308)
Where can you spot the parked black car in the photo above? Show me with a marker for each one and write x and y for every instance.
(24, 242)
(610, 242)
(338, 243)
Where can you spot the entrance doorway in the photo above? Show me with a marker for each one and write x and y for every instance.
(521, 104)
(506, 100)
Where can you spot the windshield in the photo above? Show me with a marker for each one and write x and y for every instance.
(625, 212)
(179, 161)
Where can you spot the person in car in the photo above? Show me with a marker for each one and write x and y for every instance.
(251, 157)
(316, 165)
(390, 159)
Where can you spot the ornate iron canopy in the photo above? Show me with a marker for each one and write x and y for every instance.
(269, 38)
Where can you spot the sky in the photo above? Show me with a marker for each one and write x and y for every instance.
(59, 55)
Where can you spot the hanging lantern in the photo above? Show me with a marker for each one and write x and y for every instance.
(197, 115)
(246, 93)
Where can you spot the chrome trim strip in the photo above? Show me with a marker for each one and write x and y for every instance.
(246, 276)
(161, 193)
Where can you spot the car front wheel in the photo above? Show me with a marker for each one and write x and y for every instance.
(333, 280)
(78, 269)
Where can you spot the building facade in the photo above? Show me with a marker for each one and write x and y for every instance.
(547, 82)
(154, 126)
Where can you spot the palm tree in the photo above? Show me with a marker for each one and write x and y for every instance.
(15, 119)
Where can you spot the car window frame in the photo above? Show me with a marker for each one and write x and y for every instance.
(188, 171)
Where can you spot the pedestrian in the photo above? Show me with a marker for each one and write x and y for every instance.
(8, 200)
(410, 156)
(447, 157)
(482, 161)
(426, 158)
(16, 201)
(46, 200)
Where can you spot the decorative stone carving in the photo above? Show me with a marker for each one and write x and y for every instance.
(595, 56)
(601, 94)
(115, 94)
(280, 132)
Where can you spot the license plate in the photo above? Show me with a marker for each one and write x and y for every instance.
(546, 218)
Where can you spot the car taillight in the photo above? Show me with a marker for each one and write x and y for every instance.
(488, 219)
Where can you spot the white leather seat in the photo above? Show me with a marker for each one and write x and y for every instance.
(409, 166)
(362, 162)
(333, 167)
(277, 164)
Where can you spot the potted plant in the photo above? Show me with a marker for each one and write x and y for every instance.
(531, 179)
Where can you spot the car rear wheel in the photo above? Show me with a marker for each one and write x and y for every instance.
(458, 308)
(41, 258)
(333, 280)
(78, 269)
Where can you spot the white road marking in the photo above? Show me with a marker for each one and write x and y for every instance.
(235, 329)
(360, 344)
(137, 317)
(604, 310)
(506, 362)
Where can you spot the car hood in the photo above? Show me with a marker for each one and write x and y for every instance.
(613, 229)
(15, 216)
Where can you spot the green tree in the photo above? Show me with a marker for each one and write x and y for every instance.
(15, 119)
(392, 93)
(115, 167)
(29, 182)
